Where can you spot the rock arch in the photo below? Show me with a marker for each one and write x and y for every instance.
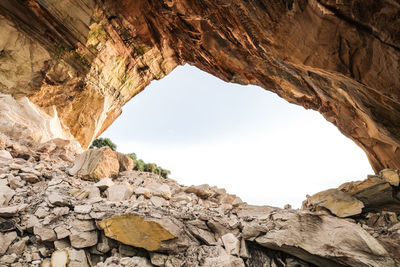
(79, 61)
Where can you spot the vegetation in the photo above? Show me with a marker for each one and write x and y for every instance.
(140, 165)
(101, 142)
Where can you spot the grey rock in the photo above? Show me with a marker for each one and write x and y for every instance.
(5, 241)
(119, 192)
(45, 234)
(231, 244)
(83, 239)
(6, 194)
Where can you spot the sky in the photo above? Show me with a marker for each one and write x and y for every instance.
(241, 138)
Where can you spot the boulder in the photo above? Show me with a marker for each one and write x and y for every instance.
(5, 241)
(119, 192)
(376, 194)
(60, 258)
(204, 236)
(307, 236)
(83, 209)
(45, 234)
(96, 164)
(29, 177)
(143, 191)
(390, 176)
(83, 239)
(6, 194)
(231, 244)
(77, 258)
(337, 202)
(83, 234)
(105, 183)
(125, 162)
(135, 231)
(158, 259)
(223, 259)
(62, 231)
(12, 210)
(161, 190)
(202, 191)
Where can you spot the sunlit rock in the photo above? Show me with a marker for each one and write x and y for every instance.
(135, 231)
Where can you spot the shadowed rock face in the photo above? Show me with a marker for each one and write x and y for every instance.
(81, 60)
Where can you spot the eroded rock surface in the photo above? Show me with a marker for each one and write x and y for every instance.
(60, 219)
(71, 65)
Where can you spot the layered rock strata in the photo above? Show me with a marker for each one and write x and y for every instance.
(49, 217)
(79, 61)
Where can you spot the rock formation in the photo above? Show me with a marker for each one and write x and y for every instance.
(66, 69)
(338, 57)
(50, 217)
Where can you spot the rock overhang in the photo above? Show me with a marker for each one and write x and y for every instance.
(338, 58)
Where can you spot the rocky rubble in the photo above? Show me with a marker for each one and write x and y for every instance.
(49, 217)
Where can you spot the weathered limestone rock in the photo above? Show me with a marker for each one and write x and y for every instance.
(18, 247)
(6, 195)
(202, 191)
(60, 258)
(119, 192)
(143, 191)
(305, 234)
(83, 239)
(374, 192)
(223, 259)
(390, 176)
(161, 190)
(29, 177)
(62, 232)
(158, 259)
(96, 164)
(205, 236)
(77, 258)
(135, 231)
(231, 244)
(12, 210)
(5, 154)
(45, 234)
(5, 241)
(57, 199)
(83, 234)
(125, 162)
(105, 183)
(83, 209)
(337, 202)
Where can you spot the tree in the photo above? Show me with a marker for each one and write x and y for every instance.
(101, 142)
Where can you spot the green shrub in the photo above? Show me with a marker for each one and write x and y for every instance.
(132, 156)
(101, 142)
(139, 165)
(165, 173)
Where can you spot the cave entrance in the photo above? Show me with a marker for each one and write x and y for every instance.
(242, 138)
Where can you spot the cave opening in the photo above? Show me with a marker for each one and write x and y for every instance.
(241, 138)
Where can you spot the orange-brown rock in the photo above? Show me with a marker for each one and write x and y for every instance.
(96, 164)
(80, 61)
(135, 231)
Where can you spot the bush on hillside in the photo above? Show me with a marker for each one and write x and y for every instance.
(102, 142)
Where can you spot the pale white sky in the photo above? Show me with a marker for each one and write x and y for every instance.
(242, 138)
